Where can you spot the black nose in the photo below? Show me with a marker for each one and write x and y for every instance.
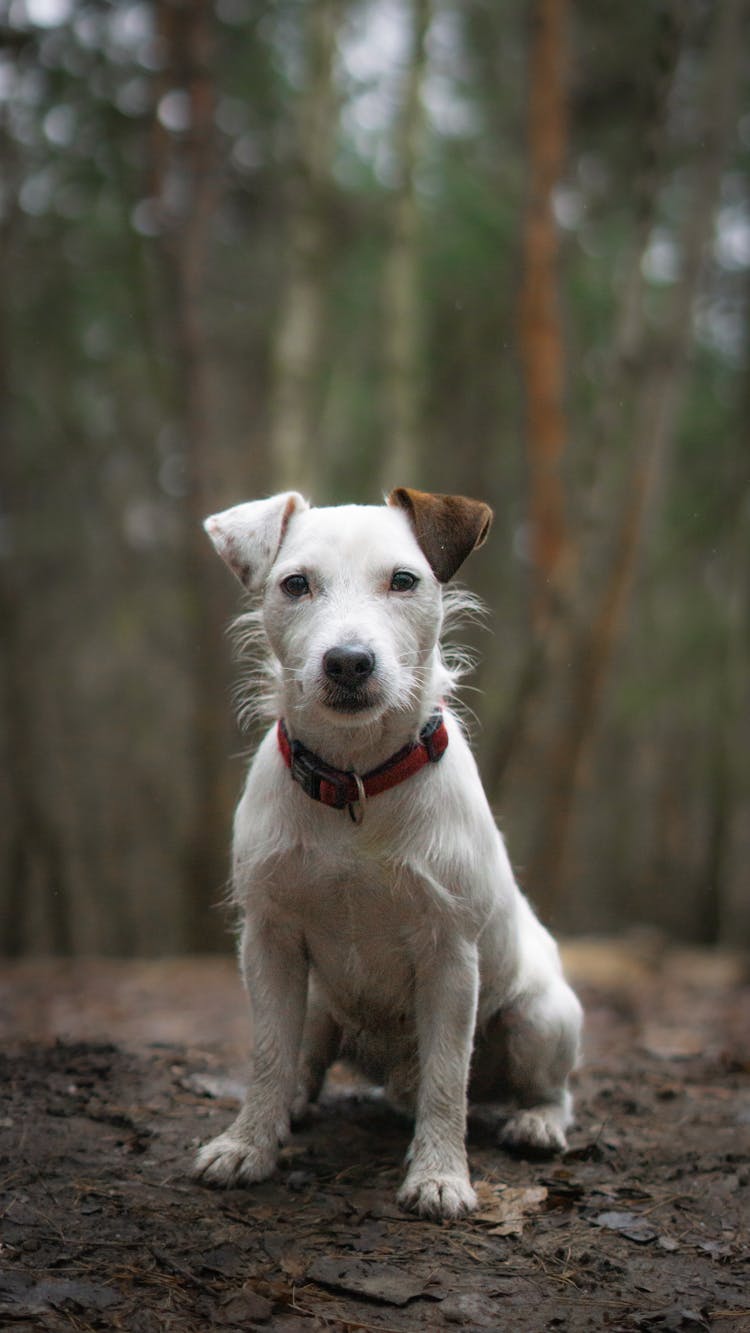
(349, 665)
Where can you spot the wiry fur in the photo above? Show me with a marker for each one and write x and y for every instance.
(258, 693)
(403, 943)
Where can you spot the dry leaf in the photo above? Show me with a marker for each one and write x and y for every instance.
(671, 1043)
(214, 1085)
(507, 1207)
(631, 1225)
(379, 1282)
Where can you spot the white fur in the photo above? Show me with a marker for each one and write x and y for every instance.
(402, 942)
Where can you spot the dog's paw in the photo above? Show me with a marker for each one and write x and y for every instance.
(539, 1130)
(436, 1196)
(231, 1160)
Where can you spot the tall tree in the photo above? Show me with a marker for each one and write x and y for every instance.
(646, 423)
(35, 861)
(402, 319)
(302, 311)
(541, 335)
(185, 173)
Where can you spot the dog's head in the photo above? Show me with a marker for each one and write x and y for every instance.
(351, 595)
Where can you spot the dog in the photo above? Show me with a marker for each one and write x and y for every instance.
(382, 922)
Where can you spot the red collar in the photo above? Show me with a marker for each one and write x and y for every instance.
(338, 788)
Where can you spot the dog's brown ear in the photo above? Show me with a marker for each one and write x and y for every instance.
(248, 536)
(447, 527)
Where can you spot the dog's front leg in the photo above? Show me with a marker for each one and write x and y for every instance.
(437, 1183)
(275, 972)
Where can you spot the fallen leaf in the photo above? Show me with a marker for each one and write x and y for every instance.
(630, 1225)
(288, 1256)
(214, 1085)
(593, 1151)
(28, 1296)
(669, 1043)
(379, 1282)
(671, 1320)
(223, 1259)
(716, 1249)
(507, 1207)
(239, 1307)
(667, 1243)
(466, 1309)
(563, 1192)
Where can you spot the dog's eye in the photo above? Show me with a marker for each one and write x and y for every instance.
(295, 585)
(403, 581)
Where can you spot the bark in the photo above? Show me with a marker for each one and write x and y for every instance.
(300, 330)
(628, 360)
(402, 332)
(185, 184)
(729, 774)
(557, 595)
(34, 853)
(36, 860)
(542, 360)
(652, 426)
(541, 333)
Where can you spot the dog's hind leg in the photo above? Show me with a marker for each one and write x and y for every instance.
(524, 1056)
(321, 1041)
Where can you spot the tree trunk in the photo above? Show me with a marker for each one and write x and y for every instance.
(651, 426)
(542, 357)
(294, 448)
(729, 774)
(541, 335)
(185, 171)
(559, 603)
(34, 853)
(402, 340)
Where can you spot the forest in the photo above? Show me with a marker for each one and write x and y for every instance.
(493, 249)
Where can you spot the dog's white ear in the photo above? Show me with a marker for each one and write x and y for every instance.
(447, 527)
(248, 536)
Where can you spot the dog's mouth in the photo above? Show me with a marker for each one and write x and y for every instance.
(350, 699)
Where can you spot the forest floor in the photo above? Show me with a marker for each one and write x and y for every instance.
(112, 1073)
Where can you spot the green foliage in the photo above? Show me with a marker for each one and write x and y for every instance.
(96, 468)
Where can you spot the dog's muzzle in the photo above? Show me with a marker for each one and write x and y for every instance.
(348, 669)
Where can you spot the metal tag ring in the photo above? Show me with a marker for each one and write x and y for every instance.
(357, 808)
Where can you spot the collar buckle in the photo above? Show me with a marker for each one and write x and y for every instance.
(304, 771)
(324, 784)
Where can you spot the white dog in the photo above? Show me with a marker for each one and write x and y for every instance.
(381, 918)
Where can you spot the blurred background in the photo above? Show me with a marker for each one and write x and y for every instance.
(501, 249)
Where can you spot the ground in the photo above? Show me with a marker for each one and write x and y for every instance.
(112, 1073)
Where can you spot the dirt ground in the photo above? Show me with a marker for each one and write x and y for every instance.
(112, 1073)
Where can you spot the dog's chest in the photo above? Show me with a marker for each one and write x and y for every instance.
(364, 962)
(362, 922)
